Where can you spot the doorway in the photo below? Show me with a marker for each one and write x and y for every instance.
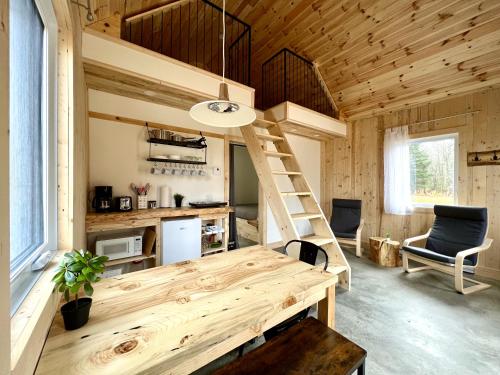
(244, 198)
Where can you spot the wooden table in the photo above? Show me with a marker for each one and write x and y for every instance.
(385, 252)
(175, 319)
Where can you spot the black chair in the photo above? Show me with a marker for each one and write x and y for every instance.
(454, 241)
(308, 254)
(346, 222)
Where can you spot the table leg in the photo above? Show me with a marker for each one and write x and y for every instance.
(361, 369)
(326, 308)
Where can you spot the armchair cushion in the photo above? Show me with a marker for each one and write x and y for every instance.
(456, 229)
(345, 235)
(346, 217)
(434, 256)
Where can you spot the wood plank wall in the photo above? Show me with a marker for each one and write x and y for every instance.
(357, 167)
(80, 138)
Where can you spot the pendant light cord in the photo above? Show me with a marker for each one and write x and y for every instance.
(223, 40)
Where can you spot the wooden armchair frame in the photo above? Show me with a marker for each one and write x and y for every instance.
(445, 267)
(354, 242)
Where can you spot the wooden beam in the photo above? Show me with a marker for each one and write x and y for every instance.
(131, 121)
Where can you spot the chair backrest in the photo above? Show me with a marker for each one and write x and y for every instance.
(309, 252)
(457, 228)
(346, 215)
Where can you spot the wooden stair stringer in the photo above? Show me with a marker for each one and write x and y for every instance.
(277, 203)
(310, 204)
(271, 191)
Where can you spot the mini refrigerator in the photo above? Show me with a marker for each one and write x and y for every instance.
(181, 240)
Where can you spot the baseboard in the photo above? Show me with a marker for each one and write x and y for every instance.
(487, 272)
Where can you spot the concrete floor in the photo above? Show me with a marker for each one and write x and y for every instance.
(414, 323)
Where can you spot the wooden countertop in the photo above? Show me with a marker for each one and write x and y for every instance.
(175, 319)
(96, 221)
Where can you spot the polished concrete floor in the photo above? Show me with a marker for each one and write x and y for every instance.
(415, 323)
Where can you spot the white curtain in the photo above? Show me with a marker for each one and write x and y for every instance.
(397, 194)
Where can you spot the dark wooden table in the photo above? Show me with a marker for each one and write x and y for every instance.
(309, 347)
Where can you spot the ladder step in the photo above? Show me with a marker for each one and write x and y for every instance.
(296, 193)
(336, 269)
(318, 240)
(264, 124)
(306, 216)
(286, 173)
(275, 154)
(269, 137)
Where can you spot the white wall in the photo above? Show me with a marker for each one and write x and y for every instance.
(117, 154)
(118, 151)
(308, 154)
(246, 188)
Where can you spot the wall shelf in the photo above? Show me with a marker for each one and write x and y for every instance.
(129, 260)
(199, 144)
(211, 251)
(178, 161)
(188, 144)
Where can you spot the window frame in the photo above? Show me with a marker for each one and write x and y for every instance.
(49, 137)
(418, 137)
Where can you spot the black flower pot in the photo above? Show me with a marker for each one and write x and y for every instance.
(178, 202)
(76, 313)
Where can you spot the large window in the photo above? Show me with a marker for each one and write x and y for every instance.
(433, 166)
(32, 143)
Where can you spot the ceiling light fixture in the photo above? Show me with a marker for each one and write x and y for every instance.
(222, 112)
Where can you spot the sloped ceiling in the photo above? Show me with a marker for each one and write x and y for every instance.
(378, 55)
(374, 55)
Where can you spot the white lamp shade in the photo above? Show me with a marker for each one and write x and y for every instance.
(203, 114)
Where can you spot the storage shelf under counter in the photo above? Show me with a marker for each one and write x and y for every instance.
(97, 223)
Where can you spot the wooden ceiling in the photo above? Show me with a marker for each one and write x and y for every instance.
(374, 55)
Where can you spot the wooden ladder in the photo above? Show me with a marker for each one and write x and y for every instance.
(323, 236)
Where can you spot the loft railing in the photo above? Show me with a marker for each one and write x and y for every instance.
(191, 31)
(287, 76)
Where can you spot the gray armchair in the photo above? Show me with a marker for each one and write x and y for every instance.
(454, 242)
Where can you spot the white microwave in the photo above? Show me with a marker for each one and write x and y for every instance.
(118, 248)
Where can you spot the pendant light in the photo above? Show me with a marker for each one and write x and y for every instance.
(222, 112)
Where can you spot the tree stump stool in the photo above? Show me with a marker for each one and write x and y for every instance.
(385, 252)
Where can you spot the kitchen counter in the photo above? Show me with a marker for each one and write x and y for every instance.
(97, 222)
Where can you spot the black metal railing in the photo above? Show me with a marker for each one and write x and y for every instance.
(287, 76)
(191, 31)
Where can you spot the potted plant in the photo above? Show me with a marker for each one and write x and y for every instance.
(178, 199)
(77, 269)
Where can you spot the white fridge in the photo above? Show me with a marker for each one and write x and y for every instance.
(181, 240)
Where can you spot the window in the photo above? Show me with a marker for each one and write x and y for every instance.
(32, 143)
(433, 166)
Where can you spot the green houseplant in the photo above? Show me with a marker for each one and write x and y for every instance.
(77, 269)
(178, 199)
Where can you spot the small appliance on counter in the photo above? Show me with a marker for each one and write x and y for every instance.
(119, 247)
(103, 199)
(123, 204)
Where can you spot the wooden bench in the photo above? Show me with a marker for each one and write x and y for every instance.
(309, 347)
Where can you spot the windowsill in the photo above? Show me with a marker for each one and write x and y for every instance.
(423, 209)
(30, 323)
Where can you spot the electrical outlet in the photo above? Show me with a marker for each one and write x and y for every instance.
(217, 171)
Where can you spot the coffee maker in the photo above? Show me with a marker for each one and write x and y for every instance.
(103, 199)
